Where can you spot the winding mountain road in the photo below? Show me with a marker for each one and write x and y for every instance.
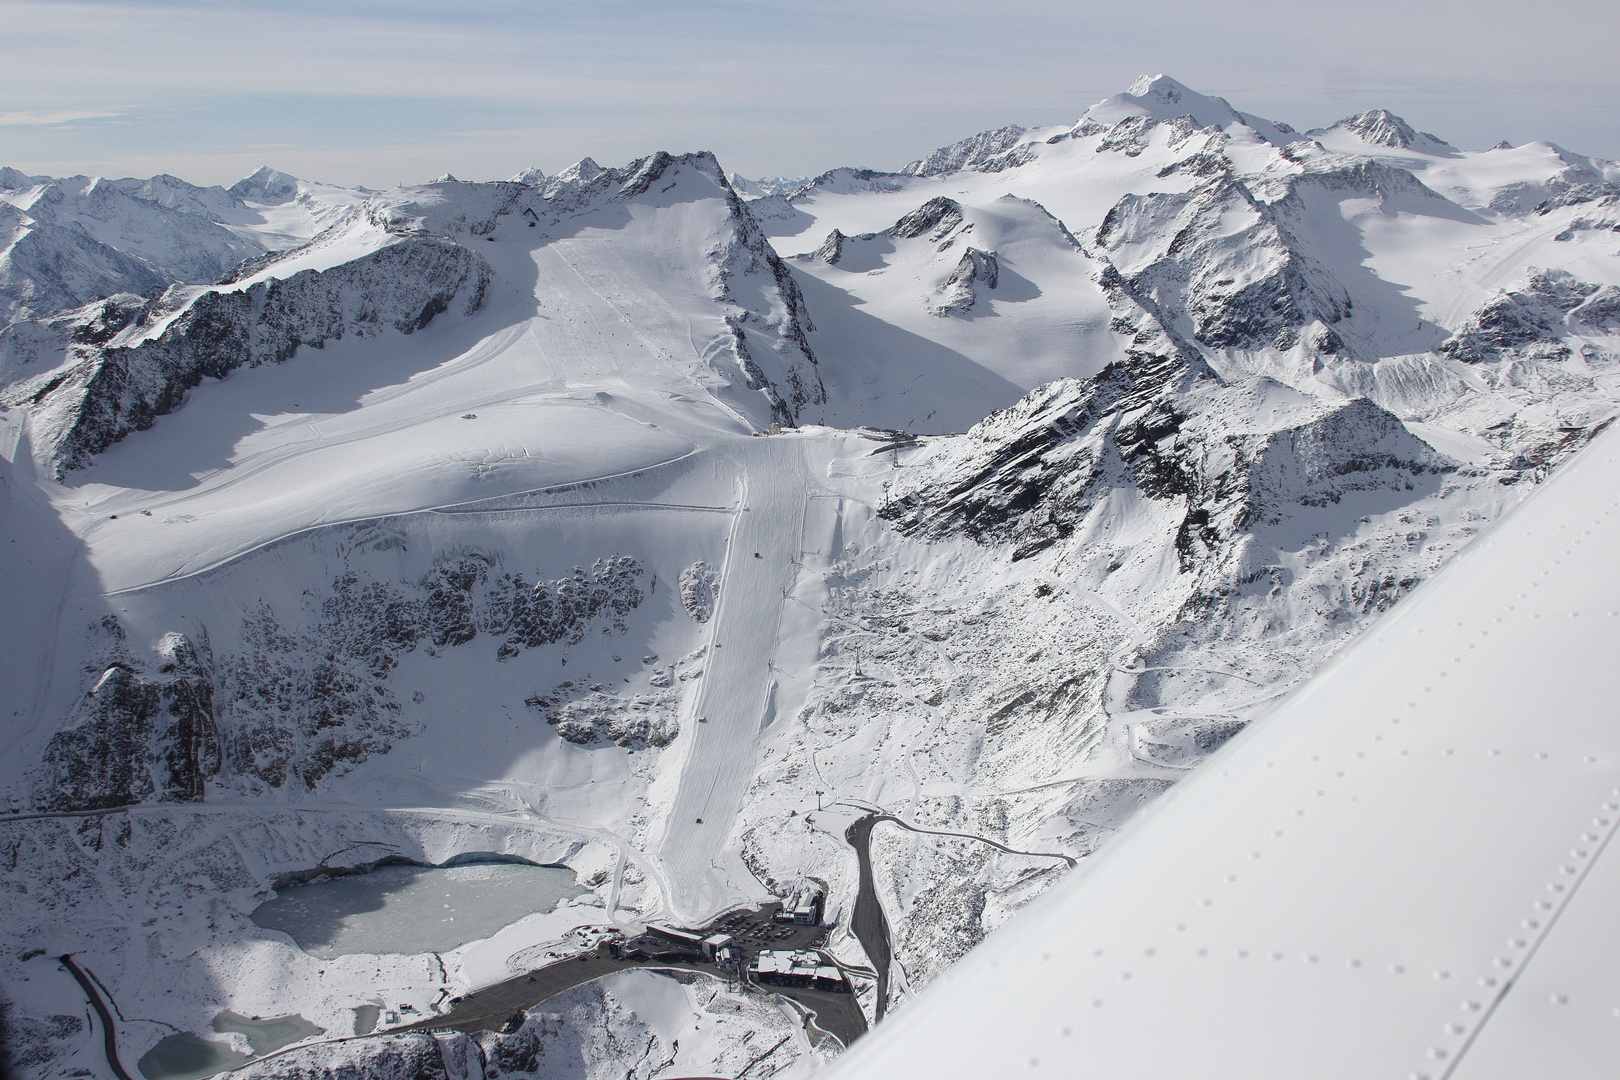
(109, 1033)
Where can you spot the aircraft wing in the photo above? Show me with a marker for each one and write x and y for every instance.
(1402, 869)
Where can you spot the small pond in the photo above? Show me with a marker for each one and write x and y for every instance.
(365, 1018)
(267, 1035)
(183, 1056)
(186, 1057)
(413, 909)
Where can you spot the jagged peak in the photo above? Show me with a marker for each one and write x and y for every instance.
(533, 176)
(937, 216)
(15, 180)
(1381, 127)
(582, 171)
(968, 153)
(266, 185)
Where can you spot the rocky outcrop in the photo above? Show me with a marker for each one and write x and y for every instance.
(793, 383)
(988, 151)
(1381, 127)
(1529, 317)
(1030, 475)
(958, 293)
(1601, 312)
(29, 347)
(629, 721)
(94, 402)
(144, 731)
(415, 1056)
(700, 590)
(305, 696)
(529, 616)
(312, 704)
(831, 249)
(934, 219)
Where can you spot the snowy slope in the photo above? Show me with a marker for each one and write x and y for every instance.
(450, 524)
(949, 308)
(1395, 871)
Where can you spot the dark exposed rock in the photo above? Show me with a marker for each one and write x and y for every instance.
(984, 152)
(304, 705)
(957, 294)
(414, 1056)
(594, 718)
(1530, 314)
(28, 1045)
(1602, 311)
(933, 219)
(138, 734)
(1028, 476)
(450, 615)
(700, 587)
(1383, 128)
(116, 391)
(29, 346)
(1235, 263)
(831, 249)
(549, 611)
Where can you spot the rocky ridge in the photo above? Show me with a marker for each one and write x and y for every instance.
(305, 696)
(109, 391)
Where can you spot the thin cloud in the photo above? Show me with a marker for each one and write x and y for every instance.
(46, 119)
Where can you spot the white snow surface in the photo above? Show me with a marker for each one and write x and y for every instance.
(1200, 399)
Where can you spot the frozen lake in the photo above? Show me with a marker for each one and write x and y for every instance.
(413, 909)
(183, 1056)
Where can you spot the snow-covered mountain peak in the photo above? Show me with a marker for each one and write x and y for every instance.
(1380, 127)
(582, 171)
(533, 176)
(266, 185)
(1159, 97)
(16, 180)
(298, 541)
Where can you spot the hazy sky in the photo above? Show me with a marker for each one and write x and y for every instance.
(375, 93)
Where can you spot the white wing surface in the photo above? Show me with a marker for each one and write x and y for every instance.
(1402, 870)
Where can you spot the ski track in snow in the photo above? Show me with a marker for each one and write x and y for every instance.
(736, 681)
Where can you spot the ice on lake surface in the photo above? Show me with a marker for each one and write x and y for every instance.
(183, 1056)
(413, 909)
(269, 1034)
